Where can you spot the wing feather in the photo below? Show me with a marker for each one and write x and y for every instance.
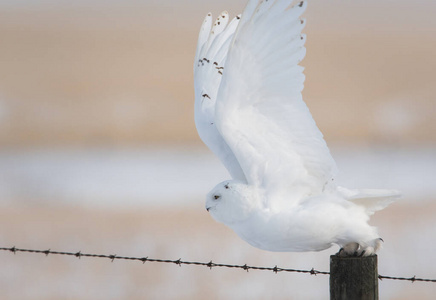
(259, 110)
(203, 36)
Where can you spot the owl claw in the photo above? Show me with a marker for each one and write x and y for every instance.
(353, 249)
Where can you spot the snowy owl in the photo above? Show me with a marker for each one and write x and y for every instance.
(249, 111)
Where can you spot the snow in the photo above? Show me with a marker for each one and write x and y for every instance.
(140, 177)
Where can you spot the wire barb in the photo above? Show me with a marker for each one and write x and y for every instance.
(209, 264)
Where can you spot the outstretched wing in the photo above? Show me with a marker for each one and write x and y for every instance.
(210, 59)
(260, 111)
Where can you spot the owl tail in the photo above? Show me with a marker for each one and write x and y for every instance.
(371, 199)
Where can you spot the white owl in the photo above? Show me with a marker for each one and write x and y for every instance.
(249, 111)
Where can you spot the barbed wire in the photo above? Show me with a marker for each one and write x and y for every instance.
(179, 261)
(209, 264)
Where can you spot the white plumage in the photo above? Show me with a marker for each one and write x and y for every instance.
(249, 111)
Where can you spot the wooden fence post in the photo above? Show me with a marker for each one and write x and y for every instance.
(353, 278)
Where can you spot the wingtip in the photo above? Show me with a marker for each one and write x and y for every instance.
(223, 15)
(207, 19)
(302, 4)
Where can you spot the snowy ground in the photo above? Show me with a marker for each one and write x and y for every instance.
(180, 176)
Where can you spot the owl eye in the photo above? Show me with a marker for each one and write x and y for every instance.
(216, 197)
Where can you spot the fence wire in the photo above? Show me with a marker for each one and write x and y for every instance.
(209, 264)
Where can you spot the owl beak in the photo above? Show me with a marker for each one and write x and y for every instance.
(207, 208)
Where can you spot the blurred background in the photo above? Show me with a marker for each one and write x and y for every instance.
(99, 151)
